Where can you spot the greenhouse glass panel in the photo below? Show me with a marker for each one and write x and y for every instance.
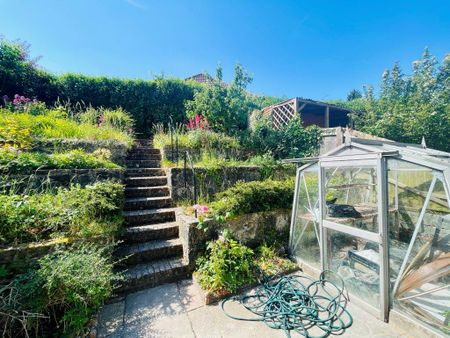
(305, 236)
(351, 196)
(357, 262)
(419, 243)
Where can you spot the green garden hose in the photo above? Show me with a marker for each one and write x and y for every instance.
(312, 308)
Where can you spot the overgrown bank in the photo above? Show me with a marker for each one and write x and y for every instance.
(56, 266)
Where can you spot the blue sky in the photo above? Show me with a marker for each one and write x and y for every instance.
(315, 49)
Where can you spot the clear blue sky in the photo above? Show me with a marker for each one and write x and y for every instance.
(316, 49)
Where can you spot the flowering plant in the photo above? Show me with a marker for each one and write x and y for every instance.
(198, 122)
(22, 104)
(200, 211)
(201, 208)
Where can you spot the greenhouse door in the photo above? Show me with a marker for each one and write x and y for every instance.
(353, 227)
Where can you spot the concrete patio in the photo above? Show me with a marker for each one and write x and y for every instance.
(177, 310)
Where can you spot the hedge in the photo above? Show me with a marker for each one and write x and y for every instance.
(149, 101)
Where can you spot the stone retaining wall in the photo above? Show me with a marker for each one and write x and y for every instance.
(252, 230)
(42, 179)
(261, 227)
(212, 181)
(30, 251)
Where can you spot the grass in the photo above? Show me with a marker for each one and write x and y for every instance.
(49, 126)
(17, 162)
(194, 139)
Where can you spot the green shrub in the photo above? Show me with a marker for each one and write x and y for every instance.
(271, 263)
(13, 162)
(225, 107)
(292, 140)
(76, 212)
(117, 119)
(227, 266)
(76, 283)
(249, 197)
(58, 297)
(195, 139)
(11, 134)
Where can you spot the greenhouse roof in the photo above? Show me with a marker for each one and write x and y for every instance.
(415, 153)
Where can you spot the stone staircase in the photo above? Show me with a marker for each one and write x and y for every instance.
(151, 252)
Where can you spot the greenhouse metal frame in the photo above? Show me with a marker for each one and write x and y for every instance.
(390, 231)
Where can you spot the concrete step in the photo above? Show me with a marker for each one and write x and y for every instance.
(150, 216)
(143, 142)
(145, 233)
(146, 181)
(132, 192)
(140, 172)
(143, 156)
(141, 203)
(144, 150)
(146, 252)
(152, 274)
(143, 164)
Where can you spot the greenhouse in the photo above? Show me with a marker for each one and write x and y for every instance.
(378, 214)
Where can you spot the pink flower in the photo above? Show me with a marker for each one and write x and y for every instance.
(201, 208)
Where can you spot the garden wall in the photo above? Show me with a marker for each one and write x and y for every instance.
(42, 179)
(252, 230)
(334, 137)
(210, 181)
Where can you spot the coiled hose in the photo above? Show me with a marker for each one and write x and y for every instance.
(312, 308)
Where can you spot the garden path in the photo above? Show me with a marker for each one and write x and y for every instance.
(178, 310)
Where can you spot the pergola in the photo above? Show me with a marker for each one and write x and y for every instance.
(378, 214)
(323, 114)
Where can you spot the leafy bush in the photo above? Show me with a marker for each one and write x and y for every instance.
(11, 134)
(117, 119)
(292, 140)
(271, 263)
(76, 281)
(12, 161)
(227, 266)
(195, 139)
(226, 107)
(76, 212)
(59, 297)
(249, 197)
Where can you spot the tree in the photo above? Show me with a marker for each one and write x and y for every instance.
(353, 95)
(410, 107)
(226, 107)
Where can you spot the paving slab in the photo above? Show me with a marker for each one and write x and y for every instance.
(178, 310)
(110, 320)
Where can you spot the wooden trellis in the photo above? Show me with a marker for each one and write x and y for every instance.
(283, 112)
